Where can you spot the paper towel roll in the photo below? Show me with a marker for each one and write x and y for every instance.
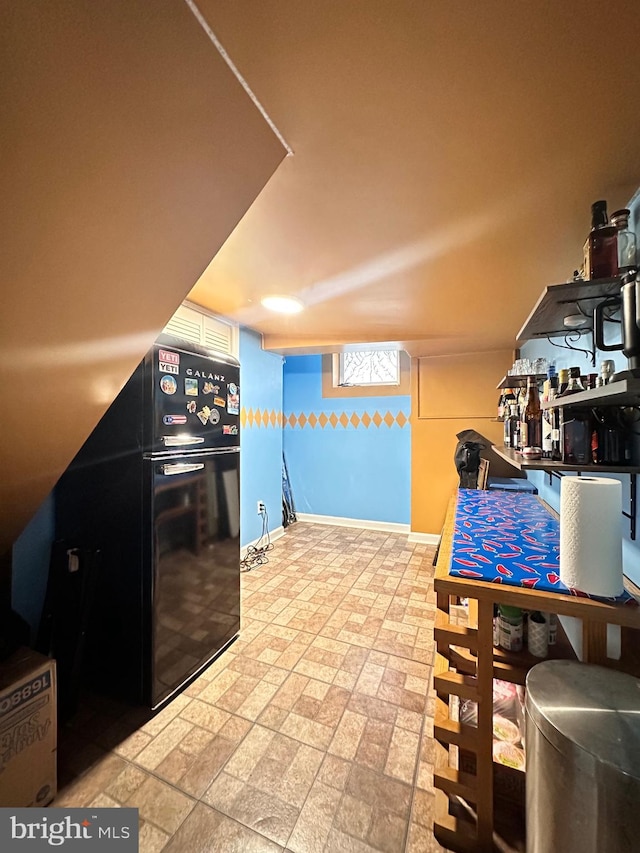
(590, 535)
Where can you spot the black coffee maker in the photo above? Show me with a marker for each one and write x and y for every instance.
(629, 302)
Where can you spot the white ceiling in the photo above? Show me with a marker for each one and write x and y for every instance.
(445, 159)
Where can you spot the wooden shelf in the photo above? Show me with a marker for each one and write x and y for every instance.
(519, 380)
(465, 664)
(558, 301)
(622, 392)
(518, 461)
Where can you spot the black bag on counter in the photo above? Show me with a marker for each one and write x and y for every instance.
(467, 461)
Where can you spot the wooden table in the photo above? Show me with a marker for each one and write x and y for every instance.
(465, 664)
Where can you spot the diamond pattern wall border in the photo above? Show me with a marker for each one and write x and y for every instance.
(270, 418)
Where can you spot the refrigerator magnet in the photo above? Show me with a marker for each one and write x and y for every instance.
(167, 357)
(230, 429)
(191, 387)
(214, 417)
(218, 401)
(168, 384)
(233, 399)
(191, 407)
(204, 414)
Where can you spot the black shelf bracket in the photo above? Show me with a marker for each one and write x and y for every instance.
(552, 474)
(631, 515)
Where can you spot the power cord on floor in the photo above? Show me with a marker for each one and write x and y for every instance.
(257, 554)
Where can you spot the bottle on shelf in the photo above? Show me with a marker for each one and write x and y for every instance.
(532, 419)
(576, 431)
(514, 428)
(607, 370)
(574, 385)
(549, 417)
(626, 241)
(556, 451)
(501, 406)
(601, 245)
(563, 381)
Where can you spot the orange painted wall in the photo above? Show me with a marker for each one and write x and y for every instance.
(448, 394)
(129, 153)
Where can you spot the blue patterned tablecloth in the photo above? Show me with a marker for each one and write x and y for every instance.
(510, 538)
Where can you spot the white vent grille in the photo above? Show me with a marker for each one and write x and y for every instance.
(192, 325)
(187, 324)
(217, 335)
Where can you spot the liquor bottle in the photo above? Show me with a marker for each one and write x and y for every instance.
(506, 425)
(574, 385)
(514, 428)
(501, 406)
(532, 415)
(601, 245)
(626, 241)
(576, 429)
(547, 418)
(563, 381)
(556, 452)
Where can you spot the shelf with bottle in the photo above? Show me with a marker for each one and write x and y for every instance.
(567, 309)
(515, 458)
(620, 392)
(520, 381)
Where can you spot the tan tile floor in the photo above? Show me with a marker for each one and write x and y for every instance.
(311, 734)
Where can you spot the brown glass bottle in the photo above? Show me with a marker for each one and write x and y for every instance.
(601, 245)
(532, 415)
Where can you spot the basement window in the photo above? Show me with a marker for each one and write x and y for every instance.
(367, 373)
(369, 367)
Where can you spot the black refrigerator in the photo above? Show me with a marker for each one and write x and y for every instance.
(155, 493)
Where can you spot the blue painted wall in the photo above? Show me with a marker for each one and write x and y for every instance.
(261, 436)
(551, 492)
(355, 467)
(31, 555)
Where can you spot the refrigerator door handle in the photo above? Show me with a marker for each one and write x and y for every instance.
(181, 440)
(180, 468)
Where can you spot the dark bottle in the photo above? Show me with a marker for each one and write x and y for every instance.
(514, 428)
(505, 427)
(556, 451)
(575, 437)
(611, 439)
(601, 245)
(574, 385)
(532, 420)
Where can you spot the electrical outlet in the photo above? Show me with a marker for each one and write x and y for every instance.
(261, 507)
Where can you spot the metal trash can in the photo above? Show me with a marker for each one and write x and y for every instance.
(583, 759)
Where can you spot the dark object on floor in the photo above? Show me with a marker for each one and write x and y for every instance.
(288, 509)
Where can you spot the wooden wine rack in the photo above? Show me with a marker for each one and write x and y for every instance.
(473, 794)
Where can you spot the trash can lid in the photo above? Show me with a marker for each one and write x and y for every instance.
(589, 708)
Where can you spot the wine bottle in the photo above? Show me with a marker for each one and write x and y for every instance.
(533, 415)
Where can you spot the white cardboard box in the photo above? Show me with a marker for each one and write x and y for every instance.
(28, 729)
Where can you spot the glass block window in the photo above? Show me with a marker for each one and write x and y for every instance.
(370, 367)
